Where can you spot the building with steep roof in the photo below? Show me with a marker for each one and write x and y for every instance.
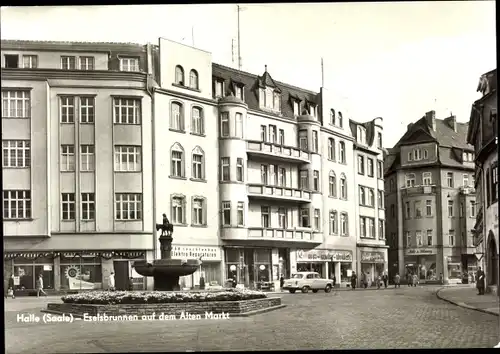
(483, 135)
(429, 185)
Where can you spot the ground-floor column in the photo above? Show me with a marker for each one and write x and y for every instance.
(107, 268)
(57, 273)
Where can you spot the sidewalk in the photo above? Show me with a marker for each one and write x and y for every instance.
(467, 297)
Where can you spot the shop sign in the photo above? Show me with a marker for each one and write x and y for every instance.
(190, 252)
(17, 280)
(324, 255)
(419, 251)
(372, 257)
(47, 267)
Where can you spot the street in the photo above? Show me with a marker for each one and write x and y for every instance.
(376, 319)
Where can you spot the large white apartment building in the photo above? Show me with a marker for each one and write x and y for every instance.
(259, 177)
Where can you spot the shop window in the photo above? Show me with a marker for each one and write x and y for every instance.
(345, 268)
(83, 273)
(262, 255)
(29, 269)
(232, 255)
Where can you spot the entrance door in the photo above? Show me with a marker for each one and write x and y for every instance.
(121, 274)
(492, 262)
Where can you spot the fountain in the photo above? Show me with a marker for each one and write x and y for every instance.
(166, 271)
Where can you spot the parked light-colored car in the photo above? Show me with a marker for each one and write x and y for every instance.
(306, 281)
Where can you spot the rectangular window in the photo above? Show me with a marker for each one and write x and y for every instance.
(128, 158)
(225, 169)
(472, 208)
(381, 230)
(16, 104)
(276, 101)
(16, 204)
(317, 220)
(129, 64)
(238, 90)
(16, 153)
(239, 125)
(343, 224)
(303, 140)
(451, 237)
(68, 208)
(241, 214)
(342, 152)
(418, 209)
(88, 206)
(87, 158)
(11, 61)
(380, 199)
(303, 180)
(265, 216)
(198, 206)
(281, 137)
(449, 179)
(178, 210)
(428, 207)
(331, 149)
(362, 226)
(273, 174)
(429, 237)
(407, 210)
(410, 156)
(316, 181)
(197, 121)
(380, 169)
(273, 134)
(224, 123)
(304, 217)
(361, 165)
(465, 180)
(450, 208)
(68, 63)
(426, 154)
(408, 238)
(494, 183)
(333, 223)
(370, 167)
(67, 109)
(87, 109)
(263, 133)
(86, 63)
(281, 177)
(226, 213)
(264, 174)
(410, 180)
(127, 111)
(176, 166)
(312, 110)
(427, 178)
(418, 236)
(371, 223)
(239, 169)
(282, 218)
(197, 166)
(296, 108)
(379, 140)
(67, 158)
(30, 61)
(219, 88)
(128, 206)
(315, 141)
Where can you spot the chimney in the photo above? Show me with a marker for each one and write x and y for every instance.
(409, 126)
(430, 118)
(451, 121)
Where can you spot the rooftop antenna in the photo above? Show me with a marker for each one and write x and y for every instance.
(239, 43)
(232, 51)
(192, 34)
(322, 74)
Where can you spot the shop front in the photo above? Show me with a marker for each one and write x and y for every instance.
(327, 263)
(211, 258)
(82, 270)
(455, 270)
(372, 264)
(423, 262)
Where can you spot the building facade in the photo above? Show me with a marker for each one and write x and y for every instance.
(482, 134)
(76, 137)
(430, 199)
(256, 175)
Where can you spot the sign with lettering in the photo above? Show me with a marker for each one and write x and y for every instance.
(372, 257)
(208, 253)
(419, 251)
(324, 255)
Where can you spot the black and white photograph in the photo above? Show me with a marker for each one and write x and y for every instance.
(250, 177)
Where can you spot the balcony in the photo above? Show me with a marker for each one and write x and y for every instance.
(467, 190)
(287, 235)
(277, 152)
(261, 191)
(418, 190)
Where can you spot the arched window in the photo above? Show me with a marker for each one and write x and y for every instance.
(178, 209)
(342, 152)
(332, 117)
(199, 210)
(176, 116)
(343, 187)
(177, 161)
(362, 196)
(179, 75)
(332, 185)
(193, 79)
(198, 160)
(340, 120)
(344, 224)
(197, 126)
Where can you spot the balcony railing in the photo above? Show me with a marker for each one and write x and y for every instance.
(285, 235)
(278, 193)
(278, 152)
(467, 190)
(418, 190)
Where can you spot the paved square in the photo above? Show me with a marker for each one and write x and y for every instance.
(391, 318)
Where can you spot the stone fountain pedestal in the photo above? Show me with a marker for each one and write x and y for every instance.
(166, 271)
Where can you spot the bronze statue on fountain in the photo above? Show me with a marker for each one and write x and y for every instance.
(166, 271)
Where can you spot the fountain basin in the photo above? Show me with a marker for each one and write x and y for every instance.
(174, 267)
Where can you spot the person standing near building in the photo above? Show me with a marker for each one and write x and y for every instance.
(11, 288)
(39, 286)
(385, 279)
(480, 281)
(354, 279)
(415, 279)
(111, 281)
(334, 281)
(397, 281)
(282, 281)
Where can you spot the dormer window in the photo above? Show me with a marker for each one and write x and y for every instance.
(129, 64)
(270, 99)
(277, 101)
(468, 157)
(312, 110)
(361, 135)
(218, 88)
(193, 80)
(11, 61)
(333, 118)
(238, 91)
(379, 140)
(179, 75)
(417, 154)
(296, 108)
(340, 120)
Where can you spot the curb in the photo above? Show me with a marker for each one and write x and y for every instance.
(464, 305)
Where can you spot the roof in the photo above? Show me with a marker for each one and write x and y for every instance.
(251, 82)
(74, 45)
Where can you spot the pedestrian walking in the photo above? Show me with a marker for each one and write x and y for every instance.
(39, 286)
(480, 281)
(111, 281)
(385, 278)
(334, 281)
(11, 287)
(364, 282)
(354, 279)
(282, 281)
(379, 281)
(409, 278)
(397, 280)
(441, 278)
(415, 280)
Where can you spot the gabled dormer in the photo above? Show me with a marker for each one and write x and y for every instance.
(361, 135)
(269, 93)
(237, 89)
(295, 102)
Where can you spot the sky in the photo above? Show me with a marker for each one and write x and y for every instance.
(391, 60)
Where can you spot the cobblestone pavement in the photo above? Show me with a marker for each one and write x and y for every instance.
(467, 297)
(391, 318)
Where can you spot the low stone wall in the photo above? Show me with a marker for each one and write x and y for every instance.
(231, 307)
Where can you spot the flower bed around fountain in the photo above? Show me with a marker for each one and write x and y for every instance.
(175, 303)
